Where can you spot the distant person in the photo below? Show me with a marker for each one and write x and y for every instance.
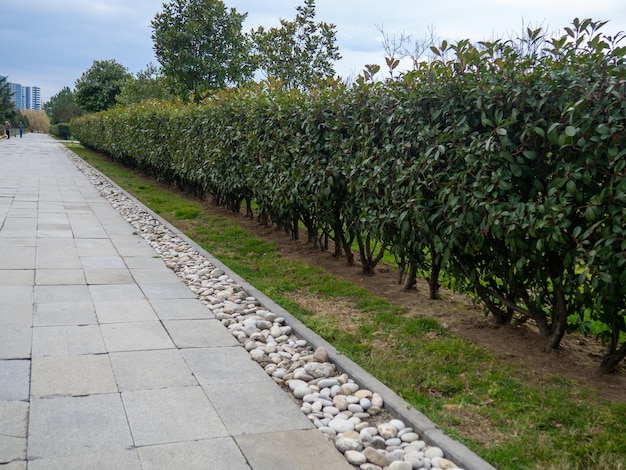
(7, 129)
(21, 126)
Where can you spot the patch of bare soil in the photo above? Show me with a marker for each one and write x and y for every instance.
(577, 359)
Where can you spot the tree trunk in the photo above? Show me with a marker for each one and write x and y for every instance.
(559, 304)
(249, 212)
(347, 249)
(295, 228)
(411, 278)
(338, 245)
(505, 314)
(401, 270)
(433, 281)
(611, 361)
(369, 257)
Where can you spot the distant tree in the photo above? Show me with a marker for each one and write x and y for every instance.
(36, 121)
(299, 52)
(98, 87)
(8, 112)
(201, 47)
(148, 84)
(62, 107)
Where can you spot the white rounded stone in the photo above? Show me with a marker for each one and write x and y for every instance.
(341, 425)
(432, 452)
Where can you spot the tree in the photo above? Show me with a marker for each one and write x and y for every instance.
(201, 47)
(36, 121)
(148, 84)
(62, 107)
(299, 52)
(98, 87)
(7, 105)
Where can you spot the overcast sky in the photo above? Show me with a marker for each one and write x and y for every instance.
(50, 43)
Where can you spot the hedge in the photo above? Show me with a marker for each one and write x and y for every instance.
(61, 130)
(501, 165)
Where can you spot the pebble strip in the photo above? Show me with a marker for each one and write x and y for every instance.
(353, 418)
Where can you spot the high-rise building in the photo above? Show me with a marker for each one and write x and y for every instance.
(18, 95)
(25, 97)
(32, 97)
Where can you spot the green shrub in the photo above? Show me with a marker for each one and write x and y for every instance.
(61, 130)
(504, 169)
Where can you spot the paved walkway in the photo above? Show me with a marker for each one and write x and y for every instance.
(93, 369)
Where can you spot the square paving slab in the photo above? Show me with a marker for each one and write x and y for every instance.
(171, 415)
(302, 450)
(199, 333)
(72, 426)
(212, 454)
(72, 375)
(67, 340)
(13, 424)
(135, 336)
(149, 370)
(223, 366)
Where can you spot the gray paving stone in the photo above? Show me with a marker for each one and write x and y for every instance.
(116, 227)
(13, 425)
(54, 218)
(223, 365)
(78, 207)
(16, 294)
(167, 290)
(102, 262)
(213, 454)
(108, 276)
(135, 246)
(199, 333)
(302, 450)
(116, 292)
(135, 336)
(17, 243)
(15, 330)
(55, 233)
(17, 465)
(56, 294)
(71, 426)
(87, 229)
(113, 460)
(57, 253)
(118, 311)
(16, 227)
(149, 370)
(256, 407)
(16, 277)
(181, 309)
(171, 415)
(24, 209)
(147, 276)
(144, 262)
(54, 227)
(64, 313)
(67, 340)
(60, 277)
(95, 247)
(71, 376)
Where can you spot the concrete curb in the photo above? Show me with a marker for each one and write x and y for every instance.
(428, 430)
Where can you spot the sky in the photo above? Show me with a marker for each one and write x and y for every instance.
(51, 43)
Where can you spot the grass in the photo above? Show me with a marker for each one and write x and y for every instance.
(506, 415)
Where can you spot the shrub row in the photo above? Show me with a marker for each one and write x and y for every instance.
(61, 130)
(501, 165)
